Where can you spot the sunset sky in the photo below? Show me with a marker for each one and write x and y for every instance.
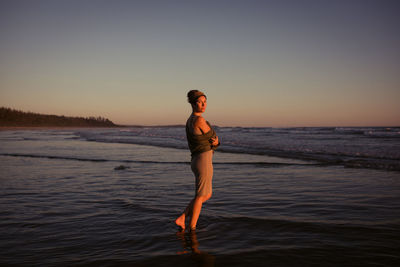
(261, 63)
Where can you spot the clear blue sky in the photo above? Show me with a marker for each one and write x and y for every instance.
(261, 63)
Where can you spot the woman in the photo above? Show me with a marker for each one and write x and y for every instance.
(202, 142)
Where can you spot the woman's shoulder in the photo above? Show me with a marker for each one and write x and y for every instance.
(198, 121)
(197, 125)
(202, 125)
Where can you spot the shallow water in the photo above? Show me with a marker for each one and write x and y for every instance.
(64, 201)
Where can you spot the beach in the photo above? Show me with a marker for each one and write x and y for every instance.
(109, 197)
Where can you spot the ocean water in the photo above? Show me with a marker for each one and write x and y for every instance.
(281, 197)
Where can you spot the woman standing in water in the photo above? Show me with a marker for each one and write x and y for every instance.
(202, 141)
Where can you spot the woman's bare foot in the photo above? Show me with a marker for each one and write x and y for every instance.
(181, 221)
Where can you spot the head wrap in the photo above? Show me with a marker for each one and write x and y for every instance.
(193, 95)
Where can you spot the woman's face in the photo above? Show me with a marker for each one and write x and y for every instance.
(200, 105)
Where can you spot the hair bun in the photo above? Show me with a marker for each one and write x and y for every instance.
(193, 95)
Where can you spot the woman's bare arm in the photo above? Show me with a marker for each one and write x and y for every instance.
(201, 126)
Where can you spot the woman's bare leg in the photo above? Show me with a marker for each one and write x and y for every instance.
(196, 209)
(192, 209)
(182, 218)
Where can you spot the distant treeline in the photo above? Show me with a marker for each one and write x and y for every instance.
(11, 117)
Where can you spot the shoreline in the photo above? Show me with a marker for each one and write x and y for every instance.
(29, 128)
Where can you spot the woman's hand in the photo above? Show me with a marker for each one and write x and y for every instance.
(214, 141)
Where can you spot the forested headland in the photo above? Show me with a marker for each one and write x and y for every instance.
(16, 118)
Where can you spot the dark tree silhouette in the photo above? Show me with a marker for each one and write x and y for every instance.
(11, 117)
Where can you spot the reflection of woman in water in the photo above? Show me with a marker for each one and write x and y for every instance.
(191, 244)
(202, 142)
